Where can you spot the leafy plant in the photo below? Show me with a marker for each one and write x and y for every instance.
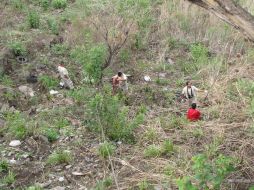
(102, 185)
(198, 51)
(44, 4)
(108, 113)
(53, 26)
(152, 151)
(33, 19)
(60, 157)
(106, 149)
(167, 147)
(34, 187)
(9, 178)
(59, 4)
(52, 134)
(208, 173)
(151, 135)
(18, 4)
(16, 125)
(4, 166)
(60, 49)
(18, 48)
(48, 82)
(145, 185)
(6, 80)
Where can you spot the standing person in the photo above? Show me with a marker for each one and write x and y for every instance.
(190, 92)
(119, 81)
(193, 114)
(65, 79)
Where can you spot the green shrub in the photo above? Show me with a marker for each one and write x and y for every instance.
(6, 80)
(9, 178)
(167, 147)
(4, 166)
(60, 49)
(108, 113)
(51, 134)
(124, 56)
(106, 149)
(18, 4)
(16, 125)
(152, 151)
(18, 48)
(95, 61)
(33, 19)
(44, 4)
(151, 135)
(209, 174)
(145, 185)
(59, 4)
(34, 187)
(104, 184)
(60, 157)
(61, 123)
(53, 26)
(48, 82)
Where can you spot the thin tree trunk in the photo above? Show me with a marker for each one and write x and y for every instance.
(230, 12)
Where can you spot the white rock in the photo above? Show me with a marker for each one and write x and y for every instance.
(61, 179)
(147, 78)
(26, 90)
(15, 143)
(53, 92)
(58, 188)
(68, 166)
(12, 161)
(77, 173)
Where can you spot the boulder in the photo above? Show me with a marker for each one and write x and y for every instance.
(15, 143)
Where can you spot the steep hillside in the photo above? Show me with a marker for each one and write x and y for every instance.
(85, 138)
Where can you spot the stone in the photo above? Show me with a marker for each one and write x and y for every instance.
(53, 92)
(15, 143)
(27, 91)
(147, 78)
(58, 188)
(12, 161)
(61, 179)
(68, 167)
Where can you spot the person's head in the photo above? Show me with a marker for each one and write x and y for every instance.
(193, 105)
(188, 84)
(119, 74)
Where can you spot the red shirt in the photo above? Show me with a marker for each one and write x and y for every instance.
(193, 114)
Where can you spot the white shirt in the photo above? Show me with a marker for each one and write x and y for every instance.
(63, 71)
(187, 91)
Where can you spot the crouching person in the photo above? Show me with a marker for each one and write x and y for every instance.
(193, 114)
(119, 81)
(65, 82)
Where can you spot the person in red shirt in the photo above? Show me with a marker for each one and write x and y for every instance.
(193, 114)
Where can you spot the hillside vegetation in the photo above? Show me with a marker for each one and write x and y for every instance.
(86, 138)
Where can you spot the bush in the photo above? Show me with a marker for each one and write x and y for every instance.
(51, 134)
(53, 26)
(33, 19)
(152, 151)
(16, 125)
(104, 184)
(34, 187)
(60, 157)
(59, 4)
(48, 82)
(4, 166)
(6, 80)
(108, 113)
(60, 49)
(209, 174)
(18, 48)
(106, 149)
(167, 147)
(45, 4)
(9, 178)
(18, 4)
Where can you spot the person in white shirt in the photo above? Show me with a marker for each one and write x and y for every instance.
(190, 92)
(65, 79)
